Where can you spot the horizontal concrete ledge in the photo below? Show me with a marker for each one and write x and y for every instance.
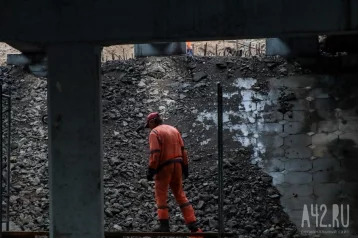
(18, 60)
(12, 225)
(26, 47)
(145, 21)
(39, 70)
(36, 66)
(159, 49)
(293, 47)
(344, 63)
(25, 59)
(25, 234)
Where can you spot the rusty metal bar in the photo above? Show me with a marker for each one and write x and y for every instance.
(220, 160)
(1, 157)
(25, 234)
(8, 186)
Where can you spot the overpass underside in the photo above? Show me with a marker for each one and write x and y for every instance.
(71, 34)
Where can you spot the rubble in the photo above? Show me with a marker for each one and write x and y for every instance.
(285, 100)
(131, 89)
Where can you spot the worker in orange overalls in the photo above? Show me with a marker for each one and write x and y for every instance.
(189, 49)
(168, 161)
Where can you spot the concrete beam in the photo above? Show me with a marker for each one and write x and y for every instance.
(18, 59)
(27, 48)
(142, 21)
(75, 142)
(25, 59)
(340, 43)
(293, 47)
(36, 63)
(159, 49)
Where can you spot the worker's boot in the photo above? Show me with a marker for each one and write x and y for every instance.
(163, 226)
(194, 228)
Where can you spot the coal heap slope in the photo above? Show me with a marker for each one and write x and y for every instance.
(182, 89)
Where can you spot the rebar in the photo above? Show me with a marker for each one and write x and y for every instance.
(8, 161)
(1, 158)
(220, 159)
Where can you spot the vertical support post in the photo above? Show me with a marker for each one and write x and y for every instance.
(75, 141)
(1, 155)
(8, 186)
(220, 159)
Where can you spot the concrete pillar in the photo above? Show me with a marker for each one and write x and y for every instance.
(75, 141)
(293, 46)
(160, 49)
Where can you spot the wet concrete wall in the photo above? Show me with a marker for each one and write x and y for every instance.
(292, 47)
(304, 131)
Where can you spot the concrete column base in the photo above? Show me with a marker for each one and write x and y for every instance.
(293, 47)
(75, 141)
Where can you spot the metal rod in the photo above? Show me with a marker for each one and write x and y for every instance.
(8, 161)
(1, 154)
(25, 234)
(220, 159)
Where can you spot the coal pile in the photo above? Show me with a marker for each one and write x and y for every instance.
(180, 89)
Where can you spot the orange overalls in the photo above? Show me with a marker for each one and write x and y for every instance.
(167, 156)
(188, 45)
(189, 50)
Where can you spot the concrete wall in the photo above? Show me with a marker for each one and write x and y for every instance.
(159, 49)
